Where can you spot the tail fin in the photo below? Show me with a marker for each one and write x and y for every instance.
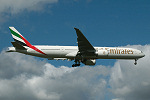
(21, 41)
(18, 37)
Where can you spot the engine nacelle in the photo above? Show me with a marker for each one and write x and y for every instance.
(89, 62)
(102, 53)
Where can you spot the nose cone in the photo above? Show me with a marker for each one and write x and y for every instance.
(142, 54)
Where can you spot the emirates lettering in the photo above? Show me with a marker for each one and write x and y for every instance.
(121, 51)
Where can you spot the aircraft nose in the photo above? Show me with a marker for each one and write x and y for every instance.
(142, 54)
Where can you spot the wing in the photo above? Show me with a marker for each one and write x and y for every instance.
(84, 46)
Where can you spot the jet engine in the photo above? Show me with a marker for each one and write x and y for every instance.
(89, 62)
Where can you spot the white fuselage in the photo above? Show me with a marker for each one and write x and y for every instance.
(70, 52)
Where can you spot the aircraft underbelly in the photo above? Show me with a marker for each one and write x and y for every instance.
(57, 54)
(112, 56)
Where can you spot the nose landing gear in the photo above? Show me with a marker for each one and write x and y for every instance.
(135, 62)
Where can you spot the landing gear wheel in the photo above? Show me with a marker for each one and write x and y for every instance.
(77, 63)
(73, 65)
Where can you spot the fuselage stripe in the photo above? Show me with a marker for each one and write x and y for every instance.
(31, 46)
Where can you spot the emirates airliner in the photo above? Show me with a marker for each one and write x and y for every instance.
(84, 52)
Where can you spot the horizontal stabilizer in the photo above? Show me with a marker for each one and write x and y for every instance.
(18, 46)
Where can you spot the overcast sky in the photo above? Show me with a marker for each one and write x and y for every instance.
(51, 22)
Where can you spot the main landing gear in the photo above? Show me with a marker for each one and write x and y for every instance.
(77, 63)
(135, 62)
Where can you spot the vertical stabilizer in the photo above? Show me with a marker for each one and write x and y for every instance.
(18, 37)
(21, 41)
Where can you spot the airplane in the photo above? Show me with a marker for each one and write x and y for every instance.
(83, 53)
